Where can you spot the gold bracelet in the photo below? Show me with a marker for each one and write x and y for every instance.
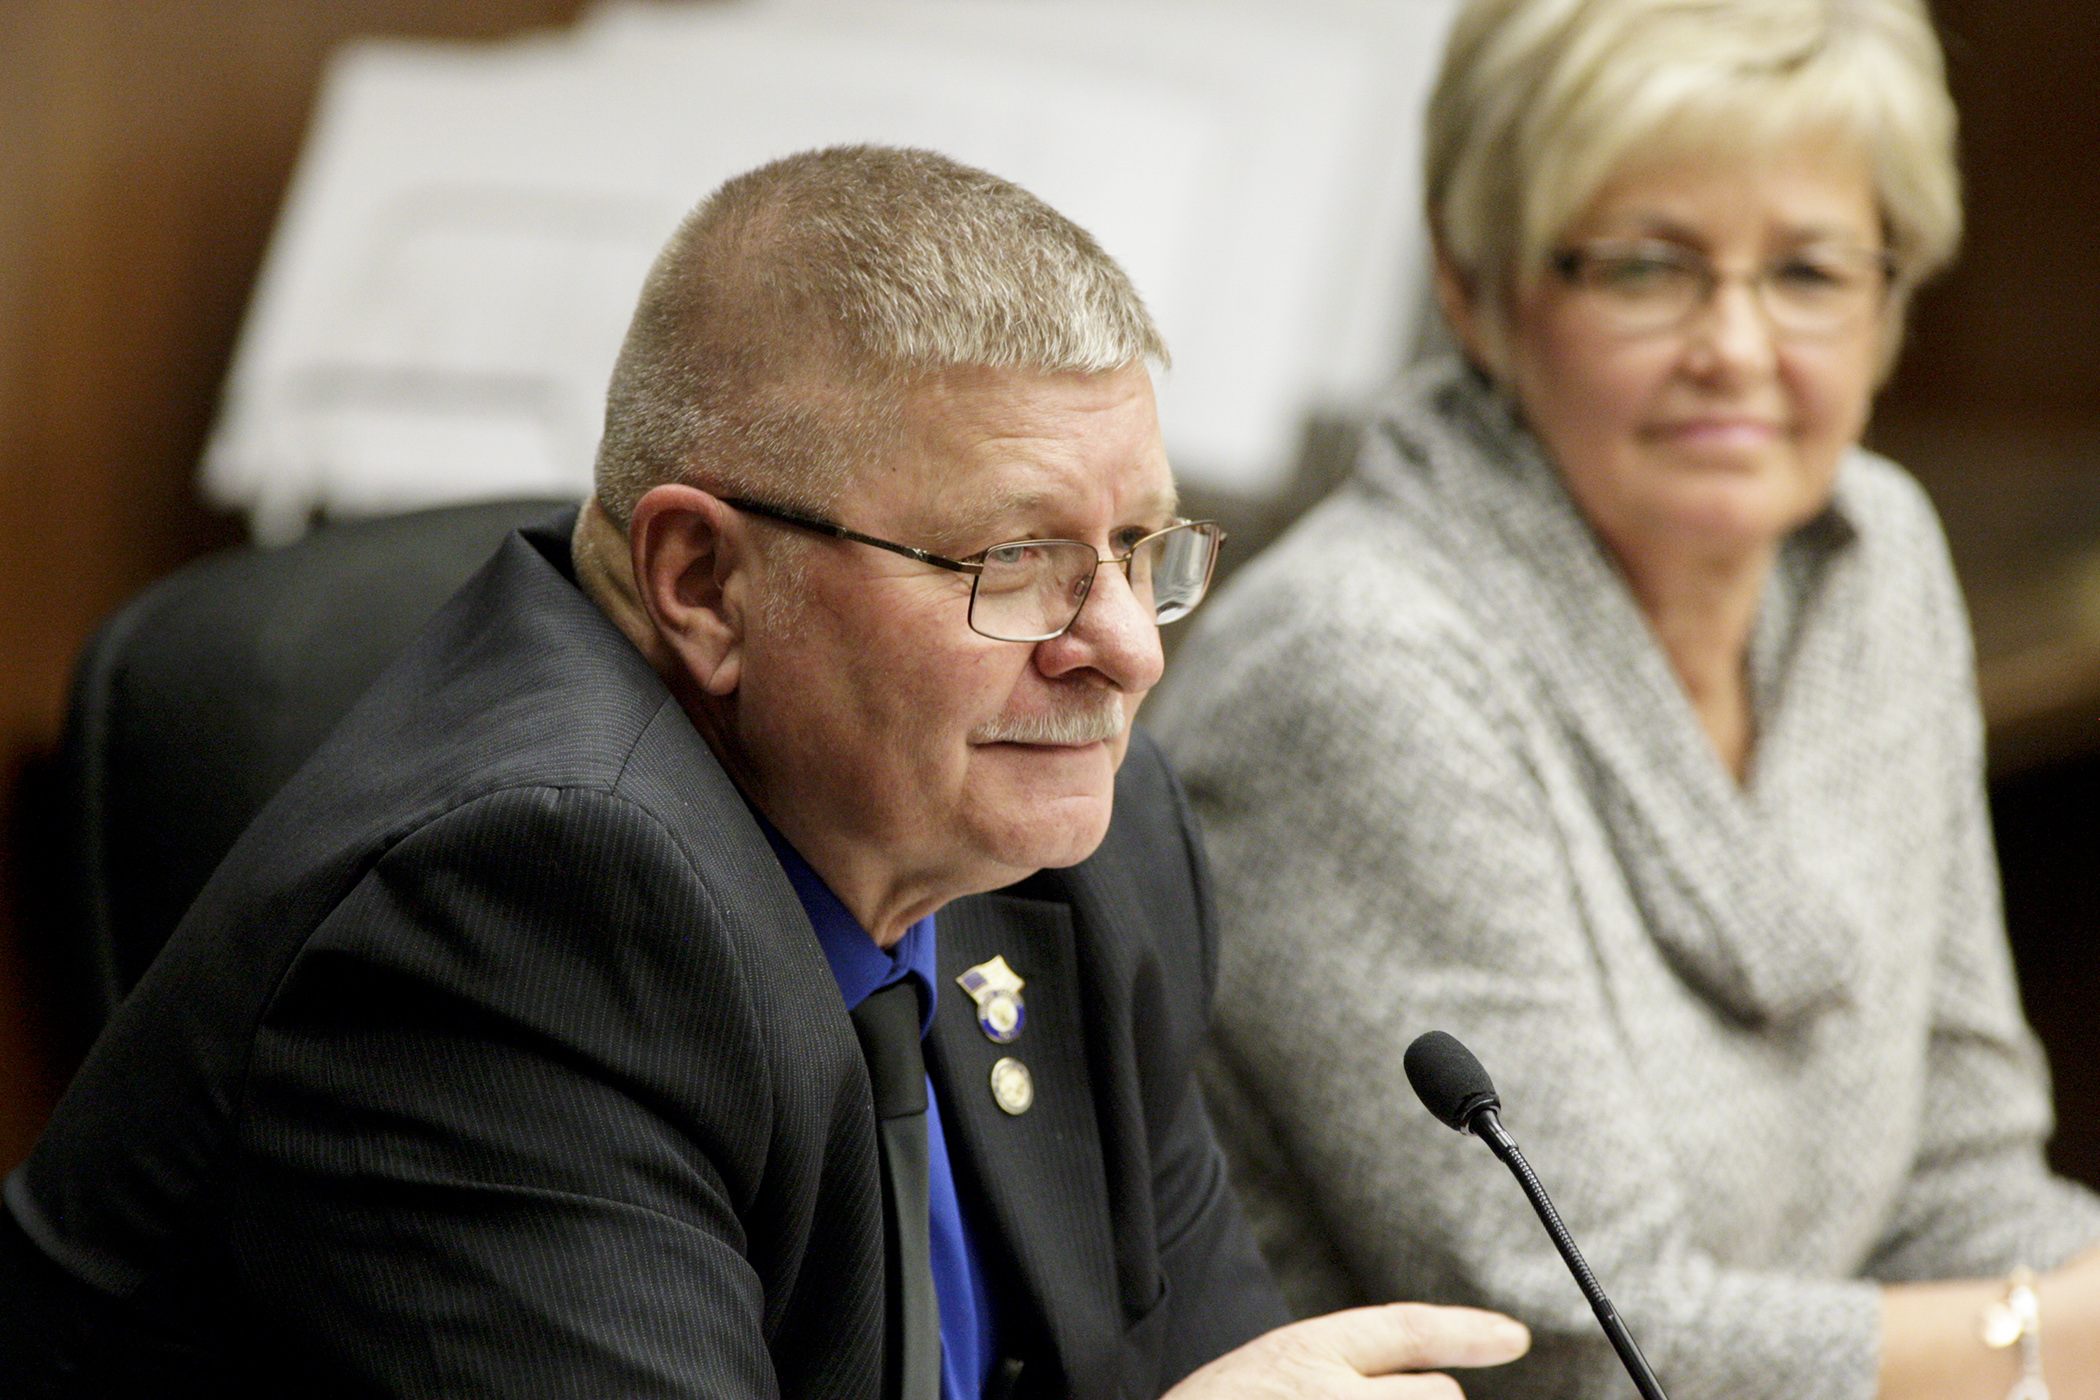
(2017, 1317)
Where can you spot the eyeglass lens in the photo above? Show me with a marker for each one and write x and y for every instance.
(1033, 589)
(1643, 288)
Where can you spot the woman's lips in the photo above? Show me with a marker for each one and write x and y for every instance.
(1719, 432)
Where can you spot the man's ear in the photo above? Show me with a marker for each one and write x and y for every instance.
(690, 574)
(1476, 324)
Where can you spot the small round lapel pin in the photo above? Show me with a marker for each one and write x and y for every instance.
(1013, 1087)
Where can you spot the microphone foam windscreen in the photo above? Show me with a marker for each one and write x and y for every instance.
(1447, 1079)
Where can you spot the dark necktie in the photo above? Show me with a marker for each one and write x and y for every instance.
(887, 1022)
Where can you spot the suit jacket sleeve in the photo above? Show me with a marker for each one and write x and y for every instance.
(506, 1129)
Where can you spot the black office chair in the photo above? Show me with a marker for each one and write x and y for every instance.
(202, 695)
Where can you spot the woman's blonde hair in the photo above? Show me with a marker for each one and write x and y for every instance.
(1540, 103)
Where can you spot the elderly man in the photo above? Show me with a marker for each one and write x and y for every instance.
(542, 1037)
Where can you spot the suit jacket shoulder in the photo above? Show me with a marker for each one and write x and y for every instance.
(503, 1002)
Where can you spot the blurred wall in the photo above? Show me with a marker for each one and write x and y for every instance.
(2011, 334)
(147, 142)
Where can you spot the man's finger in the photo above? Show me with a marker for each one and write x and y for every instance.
(1418, 1337)
(1409, 1385)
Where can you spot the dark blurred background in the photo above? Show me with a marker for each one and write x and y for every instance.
(147, 144)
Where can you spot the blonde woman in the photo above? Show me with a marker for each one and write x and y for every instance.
(1618, 718)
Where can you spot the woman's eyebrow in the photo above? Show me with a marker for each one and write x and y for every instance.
(1655, 225)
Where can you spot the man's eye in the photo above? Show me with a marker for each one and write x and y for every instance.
(1127, 538)
(1007, 556)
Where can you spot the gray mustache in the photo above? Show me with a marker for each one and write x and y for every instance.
(1085, 722)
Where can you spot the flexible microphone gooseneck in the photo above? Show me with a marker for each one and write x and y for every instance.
(1452, 1085)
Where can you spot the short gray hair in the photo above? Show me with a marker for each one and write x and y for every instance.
(1541, 103)
(790, 307)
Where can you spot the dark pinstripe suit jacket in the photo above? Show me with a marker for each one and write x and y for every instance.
(499, 1059)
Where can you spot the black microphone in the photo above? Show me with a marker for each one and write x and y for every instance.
(1451, 1084)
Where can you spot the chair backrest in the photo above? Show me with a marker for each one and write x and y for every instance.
(198, 699)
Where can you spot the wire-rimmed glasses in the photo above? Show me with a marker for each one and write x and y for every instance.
(1646, 286)
(1032, 590)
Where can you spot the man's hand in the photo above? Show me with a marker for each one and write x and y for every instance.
(1361, 1354)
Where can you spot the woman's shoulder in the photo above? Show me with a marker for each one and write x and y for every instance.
(1342, 627)
(1892, 533)
(1354, 577)
(1398, 586)
(1884, 505)
(1412, 537)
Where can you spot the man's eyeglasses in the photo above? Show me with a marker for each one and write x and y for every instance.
(1032, 590)
(1642, 287)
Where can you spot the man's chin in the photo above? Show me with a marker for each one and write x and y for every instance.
(1041, 806)
(1061, 855)
(1051, 835)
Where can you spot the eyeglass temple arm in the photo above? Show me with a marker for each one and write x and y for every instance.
(941, 561)
(840, 532)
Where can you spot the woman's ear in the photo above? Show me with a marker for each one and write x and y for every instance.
(1473, 320)
(690, 573)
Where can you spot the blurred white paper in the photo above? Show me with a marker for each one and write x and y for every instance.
(1312, 260)
(463, 241)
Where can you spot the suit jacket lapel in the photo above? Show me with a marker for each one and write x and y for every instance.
(1040, 1172)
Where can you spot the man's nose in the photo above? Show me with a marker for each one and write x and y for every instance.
(1116, 633)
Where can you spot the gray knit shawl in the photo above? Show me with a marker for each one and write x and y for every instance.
(1761, 1040)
